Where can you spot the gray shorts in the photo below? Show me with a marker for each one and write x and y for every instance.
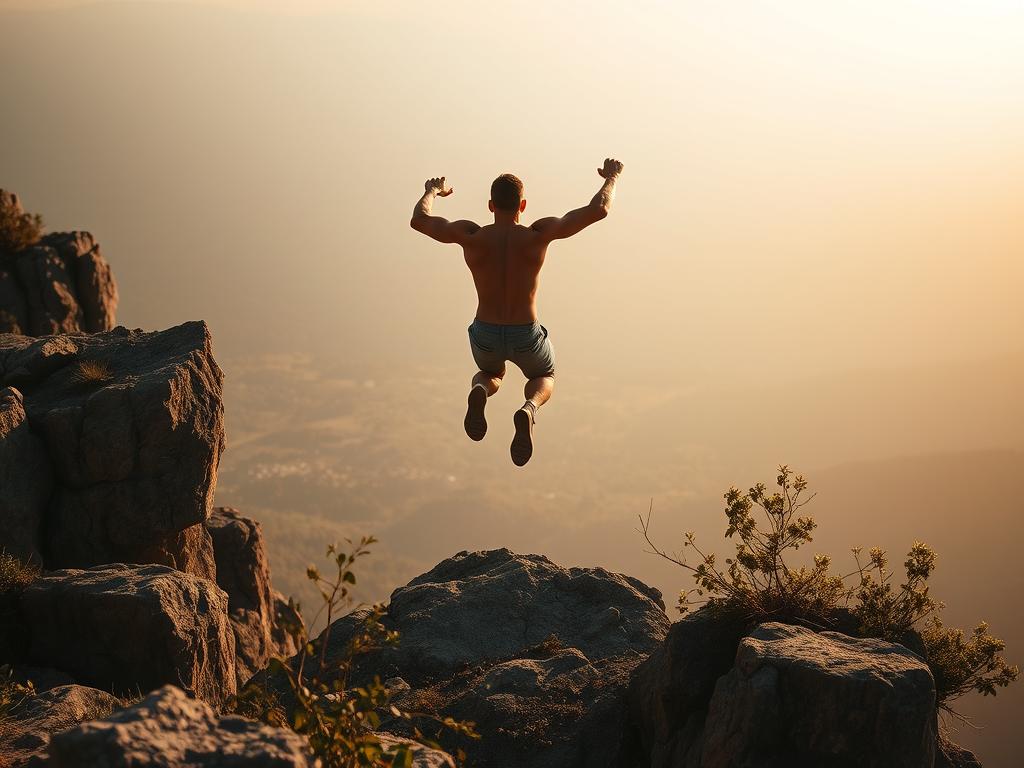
(527, 346)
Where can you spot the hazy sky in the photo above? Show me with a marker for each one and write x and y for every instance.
(816, 254)
(811, 185)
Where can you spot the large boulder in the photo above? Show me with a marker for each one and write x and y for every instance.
(244, 573)
(126, 628)
(26, 732)
(133, 429)
(537, 655)
(797, 697)
(169, 729)
(25, 480)
(60, 284)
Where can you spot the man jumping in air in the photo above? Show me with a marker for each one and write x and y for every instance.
(505, 258)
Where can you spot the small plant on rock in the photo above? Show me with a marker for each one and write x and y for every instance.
(759, 584)
(338, 718)
(91, 373)
(18, 230)
(12, 693)
(15, 576)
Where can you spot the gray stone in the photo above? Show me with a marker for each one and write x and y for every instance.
(169, 729)
(125, 628)
(243, 571)
(26, 733)
(94, 286)
(25, 480)
(49, 291)
(796, 697)
(423, 757)
(670, 691)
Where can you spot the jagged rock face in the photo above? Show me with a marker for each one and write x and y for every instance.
(169, 729)
(796, 697)
(244, 573)
(476, 642)
(60, 285)
(126, 628)
(25, 480)
(132, 425)
(670, 691)
(715, 695)
(26, 733)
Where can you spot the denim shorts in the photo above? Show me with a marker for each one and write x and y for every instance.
(527, 346)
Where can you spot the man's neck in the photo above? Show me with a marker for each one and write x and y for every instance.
(503, 218)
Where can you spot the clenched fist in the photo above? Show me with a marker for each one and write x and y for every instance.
(612, 168)
(437, 185)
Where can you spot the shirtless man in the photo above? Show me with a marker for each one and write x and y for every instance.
(505, 258)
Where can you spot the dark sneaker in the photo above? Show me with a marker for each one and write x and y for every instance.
(522, 444)
(476, 424)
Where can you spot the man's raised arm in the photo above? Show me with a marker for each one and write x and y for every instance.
(557, 228)
(440, 229)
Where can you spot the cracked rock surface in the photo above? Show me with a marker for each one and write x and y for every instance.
(537, 655)
(131, 426)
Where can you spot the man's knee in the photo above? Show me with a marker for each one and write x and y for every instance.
(492, 375)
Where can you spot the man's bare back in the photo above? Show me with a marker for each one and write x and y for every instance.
(505, 259)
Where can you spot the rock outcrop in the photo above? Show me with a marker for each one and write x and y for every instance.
(132, 427)
(537, 655)
(61, 284)
(788, 696)
(796, 697)
(670, 691)
(129, 628)
(169, 729)
(26, 733)
(25, 480)
(243, 572)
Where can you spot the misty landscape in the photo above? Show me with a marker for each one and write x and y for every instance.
(788, 277)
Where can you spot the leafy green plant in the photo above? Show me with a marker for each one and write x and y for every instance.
(758, 583)
(964, 663)
(337, 718)
(18, 229)
(756, 579)
(886, 612)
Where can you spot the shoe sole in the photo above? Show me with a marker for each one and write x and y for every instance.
(476, 424)
(522, 444)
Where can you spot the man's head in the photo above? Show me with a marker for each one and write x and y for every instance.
(507, 194)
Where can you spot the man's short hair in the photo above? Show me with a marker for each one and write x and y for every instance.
(507, 192)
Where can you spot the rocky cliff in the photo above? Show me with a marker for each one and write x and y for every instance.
(109, 447)
(58, 284)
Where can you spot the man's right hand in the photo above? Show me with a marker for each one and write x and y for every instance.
(437, 185)
(612, 168)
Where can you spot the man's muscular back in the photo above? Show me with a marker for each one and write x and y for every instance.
(505, 260)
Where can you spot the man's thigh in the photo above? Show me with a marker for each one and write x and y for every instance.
(536, 357)
(487, 351)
